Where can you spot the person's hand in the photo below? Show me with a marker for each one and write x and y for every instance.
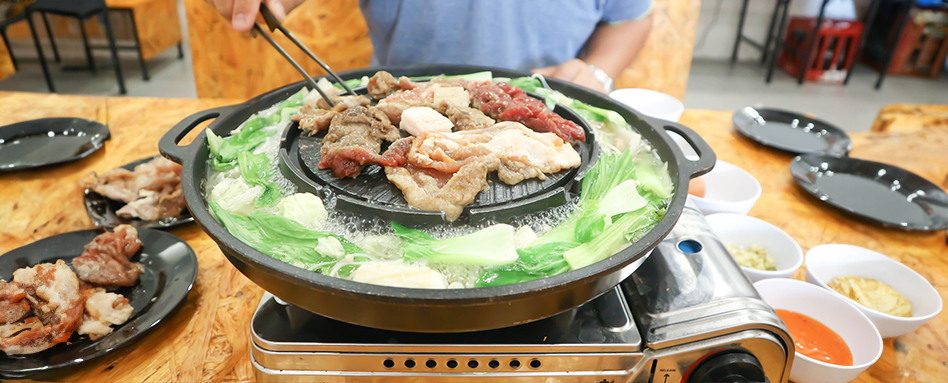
(576, 71)
(243, 13)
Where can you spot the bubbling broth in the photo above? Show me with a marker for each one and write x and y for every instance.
(623, 194)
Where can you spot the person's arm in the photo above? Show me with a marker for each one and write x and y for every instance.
(243, 13)
(612, 48)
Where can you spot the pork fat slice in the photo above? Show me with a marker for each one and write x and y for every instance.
(423, 119)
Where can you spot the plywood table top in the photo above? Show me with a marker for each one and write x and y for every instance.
(207, 341)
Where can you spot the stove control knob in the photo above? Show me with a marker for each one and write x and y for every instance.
(731, 367)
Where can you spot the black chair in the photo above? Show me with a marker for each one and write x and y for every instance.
(80, 10)
(6, 22)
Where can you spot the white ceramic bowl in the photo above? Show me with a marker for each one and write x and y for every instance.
(742, 230)
(650, 103)
(728, 189)
(856, 330)
(825, 262)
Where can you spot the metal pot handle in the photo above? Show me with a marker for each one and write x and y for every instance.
(168, 144)
(706, 156)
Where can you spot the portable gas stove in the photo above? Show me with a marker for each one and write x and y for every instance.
(687, 314)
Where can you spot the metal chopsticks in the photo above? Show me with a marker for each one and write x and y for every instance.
(274, 24)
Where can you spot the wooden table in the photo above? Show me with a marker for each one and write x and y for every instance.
(207, 341)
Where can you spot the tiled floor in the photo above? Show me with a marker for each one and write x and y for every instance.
(717, 85)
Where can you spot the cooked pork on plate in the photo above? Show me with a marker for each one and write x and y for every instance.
(151, 191)
(46, 303)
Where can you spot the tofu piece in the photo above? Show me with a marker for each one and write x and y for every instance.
(455, 96)
(423, 119)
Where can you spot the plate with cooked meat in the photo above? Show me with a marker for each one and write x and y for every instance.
(49, 141)
(145, 193)
(73, 297)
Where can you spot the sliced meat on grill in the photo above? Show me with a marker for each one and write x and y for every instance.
(509, 103)
(429, 189)
(467, 118)
(343, 102)
(520, 152)
(312, 120)
(104, 261)
(355, 140)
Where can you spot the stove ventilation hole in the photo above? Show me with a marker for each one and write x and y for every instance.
(493, 363)
(472, 363)
(535, 363)
(410, 363)
(431, 363)
(514, 364)
(388, 363)
(452, 363)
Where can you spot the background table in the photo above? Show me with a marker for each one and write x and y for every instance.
(207, 341)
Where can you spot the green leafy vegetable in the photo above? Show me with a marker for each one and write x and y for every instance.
(612, 239)
(491, 246)
(534, 262)
(653, 176)
(282, 238)
(255, 169)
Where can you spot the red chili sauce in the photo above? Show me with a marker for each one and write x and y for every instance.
(815, 340)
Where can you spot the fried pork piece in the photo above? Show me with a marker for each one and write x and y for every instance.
(102, 310)
(53, 291)
(520, 152)
(13, 303)
(312, 120)
(159, 175)
(354, 140)
(429, 189)
(104, 261)
(343, 102)
(509, 103)
(430, 94)
(467, 118)
(382, 84)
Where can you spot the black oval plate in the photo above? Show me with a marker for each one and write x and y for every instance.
(792, 132)
(49, 141)
(170, 270)
(101, 210)
(882, 193)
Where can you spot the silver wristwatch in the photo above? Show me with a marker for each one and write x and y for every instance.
(603, 78)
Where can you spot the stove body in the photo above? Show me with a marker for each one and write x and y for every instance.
(687, 314)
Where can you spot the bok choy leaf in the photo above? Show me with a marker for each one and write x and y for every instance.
(491, 246)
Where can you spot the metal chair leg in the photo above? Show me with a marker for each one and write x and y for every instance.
(6, 41)
(85, 43)
(138, 46)
(740, 32)
(812, 41)
(52, 40)
(870, 17)
(770, 32)
(778, 43)
(39, 52)
(115, 59)
(898, 34)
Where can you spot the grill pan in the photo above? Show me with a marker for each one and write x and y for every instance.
(371, 194)
(422, 310)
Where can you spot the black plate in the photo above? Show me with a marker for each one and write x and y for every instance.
(49, 141)
(792, 132)
(170, 271)
(883, 193)
(101, 210)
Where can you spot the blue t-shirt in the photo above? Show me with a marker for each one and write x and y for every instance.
(514, 34)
